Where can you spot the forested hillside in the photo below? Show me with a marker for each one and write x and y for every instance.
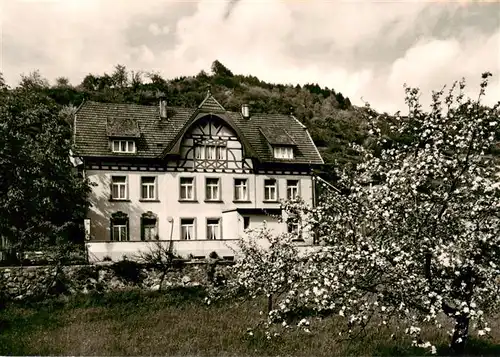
(331, 119)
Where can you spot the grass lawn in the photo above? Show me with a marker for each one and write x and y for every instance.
(179, 323)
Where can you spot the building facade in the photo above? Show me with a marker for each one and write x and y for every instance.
(192, 178)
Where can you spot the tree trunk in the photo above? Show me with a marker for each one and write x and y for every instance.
(269, 303)
(460, 334)
(162, 278)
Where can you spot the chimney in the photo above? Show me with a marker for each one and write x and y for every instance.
(163, 107)
(245, 111)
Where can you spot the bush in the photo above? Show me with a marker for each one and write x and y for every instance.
(86, 272)
(128, 271)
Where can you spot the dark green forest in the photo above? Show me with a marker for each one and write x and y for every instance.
(332, 120)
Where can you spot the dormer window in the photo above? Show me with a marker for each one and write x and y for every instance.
(123, 146)
(283, 152)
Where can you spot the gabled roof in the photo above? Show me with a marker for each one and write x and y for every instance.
(211, 104)
(158, 136)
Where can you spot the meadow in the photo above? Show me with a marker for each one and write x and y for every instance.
(178, 322)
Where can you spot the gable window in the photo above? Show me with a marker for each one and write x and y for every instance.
(212, 190)
(187, 228)
(292, 189)
(210, 151)
(119, 187)
(283, 152)
(270, 190)
(198, 152)
(213, 228)
(187, 188)
(119, 227)
(148, 188)
(240, 190)
(149, 229)
(220, 153)
(127, 146)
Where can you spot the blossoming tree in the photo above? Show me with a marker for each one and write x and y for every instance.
(413, 233)
(268, 264)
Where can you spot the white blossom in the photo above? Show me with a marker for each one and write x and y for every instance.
(412, 232)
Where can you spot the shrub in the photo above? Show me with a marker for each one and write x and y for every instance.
(86, 272)
(128, 271)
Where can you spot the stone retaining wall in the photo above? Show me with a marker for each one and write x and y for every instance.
(35, 282)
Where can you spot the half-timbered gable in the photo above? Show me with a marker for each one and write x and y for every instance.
(212, 144)
(193, 178)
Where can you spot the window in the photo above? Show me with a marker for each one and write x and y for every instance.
(148, 188)
(119, 187)
(283, 152)
(270, 190)
(119, 227)
(246, 222)
(210, 152)
(187, 228)
(220, 153)
(293, 227)
(187, 188)
(213, 228)
(212, 192)
(148, 226)
(124, 146)
(292, 189)
(198, 153)
(240, 190)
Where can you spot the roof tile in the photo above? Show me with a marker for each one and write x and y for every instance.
(155, 134)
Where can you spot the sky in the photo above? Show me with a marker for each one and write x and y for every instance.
(365, 49)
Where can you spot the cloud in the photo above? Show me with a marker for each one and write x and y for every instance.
(364, 49)
(154, 29)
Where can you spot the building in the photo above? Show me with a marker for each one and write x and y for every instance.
(194, 177)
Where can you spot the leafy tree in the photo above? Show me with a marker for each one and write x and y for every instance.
(3, 85)
(136, 79)
(120, 76)
(414, 232)
(218, 69)
(157, 81)
(67, 112)
(62, 82)
(105, 82)
(90, 82)
(43, 200)
(34, 81)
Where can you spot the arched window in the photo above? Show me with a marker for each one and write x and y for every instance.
(149, 226)
(119, 227)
